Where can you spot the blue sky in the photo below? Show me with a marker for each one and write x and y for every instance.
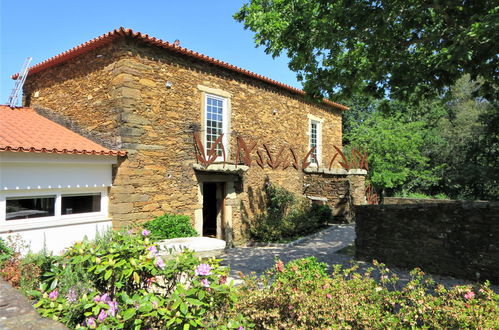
(44, 28)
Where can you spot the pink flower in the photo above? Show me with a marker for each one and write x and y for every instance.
(145, 232)
(97, 298)
(203, 270)
(159, 262)
(205, 283)
(131, 231)
(102, 315)
(113, 307)
(154, 304)
(91, 322)
(105, 298)
(152, 249)
(328, 296)
(240, 328)
(72, 295)
(53, 295)
(279, 266)
(469, 295)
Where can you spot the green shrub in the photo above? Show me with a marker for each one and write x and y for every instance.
(170, 226)
(129, 285)
(5, 252)
(287, 217)
(300, 295)
(408, 194)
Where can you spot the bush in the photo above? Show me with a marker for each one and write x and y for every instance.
(286, 217)
(121, 281)
(300, 295)
(170, 226)
(5, 252)
(13, 269)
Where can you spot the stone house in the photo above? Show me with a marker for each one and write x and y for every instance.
(167, 106)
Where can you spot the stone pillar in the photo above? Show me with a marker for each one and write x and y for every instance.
(357, 189)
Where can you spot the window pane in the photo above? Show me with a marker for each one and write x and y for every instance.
(30, 207)
(214, 122)
(72, 204)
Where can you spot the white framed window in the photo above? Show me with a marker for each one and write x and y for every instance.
(315, 139)
(216, 122)
(51, 207)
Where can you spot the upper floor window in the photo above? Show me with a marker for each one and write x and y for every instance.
(315, 134)
(216, 122)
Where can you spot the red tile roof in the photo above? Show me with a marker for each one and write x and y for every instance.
(23, 130)
(110, 36)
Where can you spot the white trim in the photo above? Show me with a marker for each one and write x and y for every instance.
(319, 123)
(32, 157)
(52, 223)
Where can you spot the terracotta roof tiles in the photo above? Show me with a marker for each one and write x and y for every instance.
(23, 130)
(110, 36)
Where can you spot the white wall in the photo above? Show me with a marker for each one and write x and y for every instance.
(57, 238)
(32, 174)
(41, 171)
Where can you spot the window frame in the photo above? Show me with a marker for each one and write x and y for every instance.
(319, 124)
(225, 123)
(58, 219)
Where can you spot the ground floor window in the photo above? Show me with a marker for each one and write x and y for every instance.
(73, 204)
(30, 207)
(52, 205)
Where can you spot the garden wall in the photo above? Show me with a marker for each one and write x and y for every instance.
(456, 238)
(405, 200)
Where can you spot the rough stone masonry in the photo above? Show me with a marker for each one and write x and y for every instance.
(117, 95)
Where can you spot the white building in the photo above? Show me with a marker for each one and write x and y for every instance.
(53, 182)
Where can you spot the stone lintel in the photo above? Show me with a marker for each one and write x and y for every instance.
(335, 171)
(222, 168)
(315, 198)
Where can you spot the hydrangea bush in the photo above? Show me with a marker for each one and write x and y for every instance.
(133, 286)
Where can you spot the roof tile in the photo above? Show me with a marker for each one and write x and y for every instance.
(24, 130)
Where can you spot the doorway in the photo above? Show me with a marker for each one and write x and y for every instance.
(213, 209)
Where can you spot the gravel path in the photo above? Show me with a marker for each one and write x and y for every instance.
(323, 246)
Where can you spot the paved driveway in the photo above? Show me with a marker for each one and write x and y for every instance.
(322, 245)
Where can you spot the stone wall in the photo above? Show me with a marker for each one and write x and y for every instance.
(342, 191)
(404, 200)
(456, 238)
(118, 92)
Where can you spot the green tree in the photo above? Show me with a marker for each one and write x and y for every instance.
(395, 48)
(470, 144)
(396, 148)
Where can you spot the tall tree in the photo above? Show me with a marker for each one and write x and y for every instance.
(395, 48)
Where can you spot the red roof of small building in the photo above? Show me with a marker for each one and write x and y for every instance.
(24, 130)
(110, 36)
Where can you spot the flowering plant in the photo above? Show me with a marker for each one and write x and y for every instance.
(134, 285)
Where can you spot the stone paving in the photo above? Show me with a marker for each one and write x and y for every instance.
(17, 313)
(323, 246)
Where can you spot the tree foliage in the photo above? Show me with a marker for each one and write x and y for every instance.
(396, 149)
(394, 48)
(440, 146)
